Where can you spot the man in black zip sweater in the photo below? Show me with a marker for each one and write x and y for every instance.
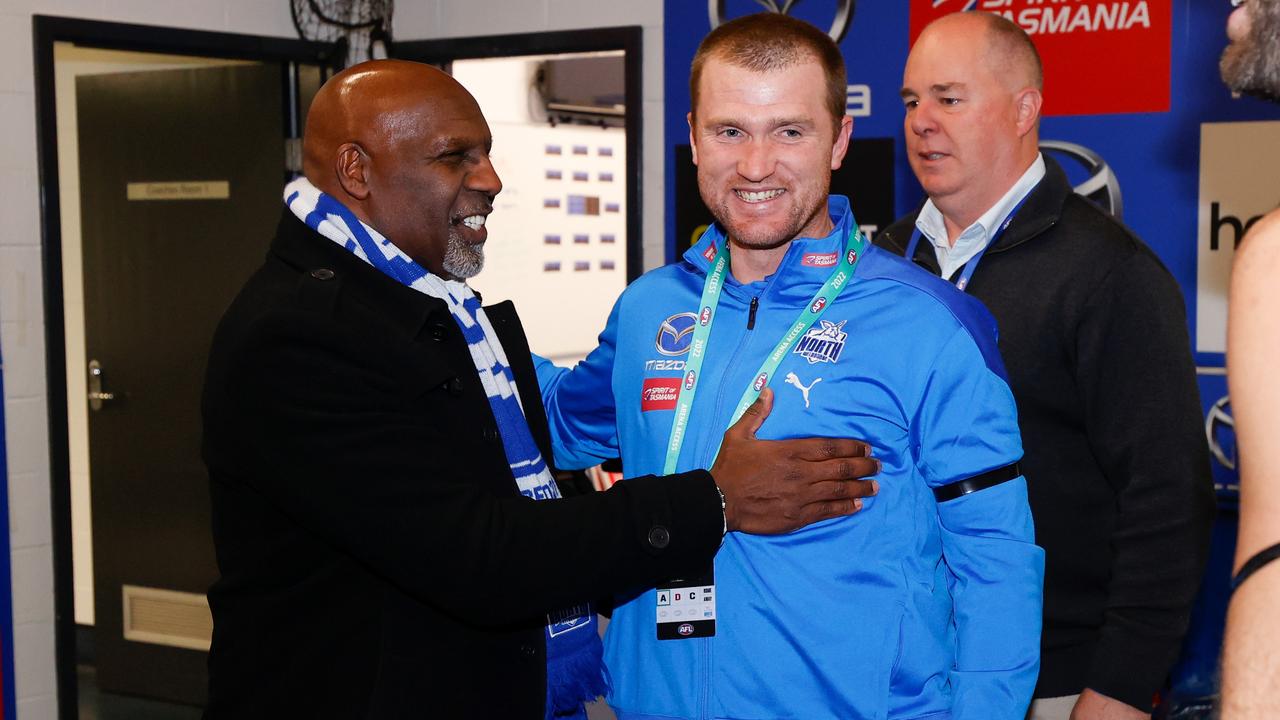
(1093, 332)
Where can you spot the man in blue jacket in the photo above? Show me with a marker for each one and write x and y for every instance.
(926, 604)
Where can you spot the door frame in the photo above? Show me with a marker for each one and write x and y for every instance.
(629, 39)
(46, 31)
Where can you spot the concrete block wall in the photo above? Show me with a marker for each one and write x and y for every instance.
(21, 276)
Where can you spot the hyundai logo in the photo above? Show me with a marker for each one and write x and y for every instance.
(675, 334)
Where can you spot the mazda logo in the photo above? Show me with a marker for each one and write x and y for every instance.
(1102, 185)
(839, 24)
(675, 334)
(1220, 428)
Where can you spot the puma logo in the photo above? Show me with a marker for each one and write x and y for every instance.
(791, 379)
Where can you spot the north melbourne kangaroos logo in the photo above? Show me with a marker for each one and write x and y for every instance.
(823, 343)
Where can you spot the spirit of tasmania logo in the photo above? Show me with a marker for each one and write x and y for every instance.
(1100, 56)
(659, 394)
(819, 260)
(823, 343)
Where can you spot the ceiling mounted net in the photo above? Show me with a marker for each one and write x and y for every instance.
(364, 25)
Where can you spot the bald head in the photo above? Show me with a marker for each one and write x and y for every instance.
(375, 105)
(406, 148)
(1009, 52)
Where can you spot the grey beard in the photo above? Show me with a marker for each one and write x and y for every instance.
(461, 260)
(1252, 66)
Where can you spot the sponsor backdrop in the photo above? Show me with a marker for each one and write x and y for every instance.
(1137, 115)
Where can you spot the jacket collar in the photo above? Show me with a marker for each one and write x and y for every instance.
(807, 260)
(308, 252)
(1041, 212)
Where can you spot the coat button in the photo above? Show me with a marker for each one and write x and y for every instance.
(490, 434)
(437, 331)
(322, 274)
(528, 651)
(659, 537)
(454, 386)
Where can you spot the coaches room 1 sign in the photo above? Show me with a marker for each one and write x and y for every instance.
(1100, 56)
(1234, 194)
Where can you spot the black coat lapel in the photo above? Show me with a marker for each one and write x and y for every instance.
(507, 325)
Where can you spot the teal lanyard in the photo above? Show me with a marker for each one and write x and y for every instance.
(854, 247)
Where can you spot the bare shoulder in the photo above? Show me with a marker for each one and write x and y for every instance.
(1268, 226)
(1262, 240)
(1257, 261)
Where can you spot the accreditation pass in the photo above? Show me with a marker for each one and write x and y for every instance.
(687, 608)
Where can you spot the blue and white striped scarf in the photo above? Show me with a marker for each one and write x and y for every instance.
(575, 671)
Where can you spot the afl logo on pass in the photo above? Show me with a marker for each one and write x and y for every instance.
(689, 379)
(852, 257)
(675, 334)
(761, 379)
(705, 317)
(817, 305)
(685, 629)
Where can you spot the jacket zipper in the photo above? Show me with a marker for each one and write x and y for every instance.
(704, 701)
(735, 358)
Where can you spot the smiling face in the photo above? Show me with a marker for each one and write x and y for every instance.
(405, 147)
(970, 123)
(765, 145)
(432, 185)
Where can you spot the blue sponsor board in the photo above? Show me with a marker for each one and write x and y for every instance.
(1155, 157)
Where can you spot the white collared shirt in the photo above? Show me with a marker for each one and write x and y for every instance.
(976, 236)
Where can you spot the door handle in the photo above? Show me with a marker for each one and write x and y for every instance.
(96, 395)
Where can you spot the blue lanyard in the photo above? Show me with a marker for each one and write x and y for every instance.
(967, 274)
(854, 247)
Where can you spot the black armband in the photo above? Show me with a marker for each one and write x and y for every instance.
(1254, 564)
(988, 479)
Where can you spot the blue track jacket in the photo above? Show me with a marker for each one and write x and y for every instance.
(910, 608)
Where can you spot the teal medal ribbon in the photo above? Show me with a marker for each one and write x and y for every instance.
(855, 246)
